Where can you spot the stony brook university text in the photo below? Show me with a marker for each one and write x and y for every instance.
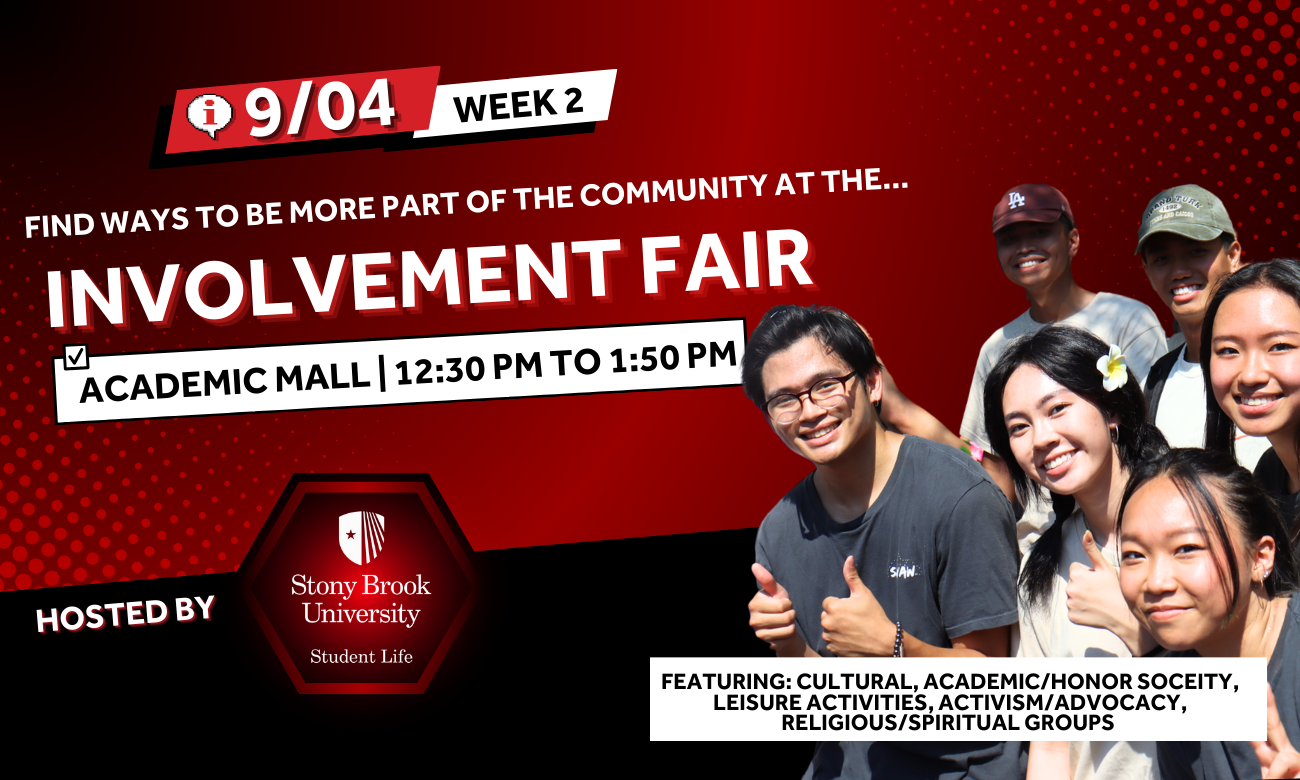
(342, 590)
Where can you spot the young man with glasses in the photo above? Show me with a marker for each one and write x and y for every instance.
(894, 545)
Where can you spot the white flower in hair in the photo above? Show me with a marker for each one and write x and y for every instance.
(1113, 369)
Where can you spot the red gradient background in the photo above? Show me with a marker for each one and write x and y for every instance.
(1111, 102)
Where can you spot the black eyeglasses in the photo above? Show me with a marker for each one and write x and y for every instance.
(827, 393)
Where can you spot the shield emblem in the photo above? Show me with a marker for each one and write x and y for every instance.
(361, 536)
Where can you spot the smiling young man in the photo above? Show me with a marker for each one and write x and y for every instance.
(1188, 243)
(1037, 240)
(893, 545)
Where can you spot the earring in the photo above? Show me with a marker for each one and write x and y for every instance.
(1114, 435)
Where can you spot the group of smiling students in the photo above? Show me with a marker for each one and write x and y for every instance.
(1125, 467)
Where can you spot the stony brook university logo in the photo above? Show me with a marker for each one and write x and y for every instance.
(1017, 200)
(361, 535)
(379, 618)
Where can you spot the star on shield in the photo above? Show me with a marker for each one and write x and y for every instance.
(361, 548)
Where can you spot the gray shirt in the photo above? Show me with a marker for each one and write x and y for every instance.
(937, 549)
(1215, 760)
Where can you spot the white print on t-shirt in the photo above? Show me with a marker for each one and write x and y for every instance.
(902, 568)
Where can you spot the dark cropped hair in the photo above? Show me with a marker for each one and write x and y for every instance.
(782, 326)
(1283, 275)
(1069, 357)
(1194, 472)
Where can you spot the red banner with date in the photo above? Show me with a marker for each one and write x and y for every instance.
(307, 109)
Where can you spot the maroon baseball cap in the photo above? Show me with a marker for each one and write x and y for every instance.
(1030, 203)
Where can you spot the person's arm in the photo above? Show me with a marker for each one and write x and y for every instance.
(1049, 761)
(1000, 474)
(911, 418)
(907, 416)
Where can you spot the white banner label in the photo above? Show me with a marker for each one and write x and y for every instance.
(922, 699)
(514, 104)
(426, 369)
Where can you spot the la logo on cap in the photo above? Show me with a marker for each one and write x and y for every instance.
(1017, 200)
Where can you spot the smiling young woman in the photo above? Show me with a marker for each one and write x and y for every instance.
(1037, 241)
(1076, 430)
(1207, 568)
(1250, 357)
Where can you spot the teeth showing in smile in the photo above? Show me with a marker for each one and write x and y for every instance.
(1257, 401)
(1028, 264)
(820, 432)
(1188, 288)
(1059, 460)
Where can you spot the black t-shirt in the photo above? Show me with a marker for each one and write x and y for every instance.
(1215, 760)
(938, 550)
(1273, 478)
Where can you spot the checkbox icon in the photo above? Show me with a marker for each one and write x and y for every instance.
(76, 357)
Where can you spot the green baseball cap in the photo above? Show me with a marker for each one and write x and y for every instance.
(1186, 210)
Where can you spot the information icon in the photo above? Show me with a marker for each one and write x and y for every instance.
(209, 113)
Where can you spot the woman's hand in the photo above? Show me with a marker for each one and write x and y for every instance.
(1094, 599)
(1276, 756)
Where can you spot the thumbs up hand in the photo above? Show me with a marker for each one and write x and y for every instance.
(1094, 598)
(771, 613)
(857, 625)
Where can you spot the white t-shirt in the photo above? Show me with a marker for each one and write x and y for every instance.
(1112, 318)
(1046, 632)
(1181, 414)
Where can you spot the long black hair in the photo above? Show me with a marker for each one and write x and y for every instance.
(1193, 472)
(1283, 275)
(1069, 357)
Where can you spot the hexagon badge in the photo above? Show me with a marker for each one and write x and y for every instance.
(360, 582)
